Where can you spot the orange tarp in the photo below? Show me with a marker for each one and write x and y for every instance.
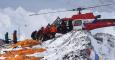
(10, 55)
(22, 57)
(26, 43)
(25, 51)
(21, 54)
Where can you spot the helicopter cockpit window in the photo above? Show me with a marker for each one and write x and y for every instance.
(77, 22)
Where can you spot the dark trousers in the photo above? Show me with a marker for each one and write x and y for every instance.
(53, 34)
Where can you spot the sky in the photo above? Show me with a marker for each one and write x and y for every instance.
(36, 5)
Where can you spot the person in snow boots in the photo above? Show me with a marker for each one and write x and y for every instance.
(53, 30)
(34, 35)
(15, 37)
(64, 27)
(7, 38)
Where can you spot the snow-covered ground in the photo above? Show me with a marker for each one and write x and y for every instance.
(63, 47)
(108, 30)
(73, 46)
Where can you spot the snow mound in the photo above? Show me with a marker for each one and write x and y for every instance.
(108, 30)
(105, 45)
(73, 46)
(67, 46)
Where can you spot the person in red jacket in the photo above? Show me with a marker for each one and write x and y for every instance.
(15, 37)
(47, 32)
(53, 30)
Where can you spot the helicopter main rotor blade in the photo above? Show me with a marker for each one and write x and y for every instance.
(76, 9)
(50, 12)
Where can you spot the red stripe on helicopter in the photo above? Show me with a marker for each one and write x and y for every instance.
(81, 16)
(99, 24)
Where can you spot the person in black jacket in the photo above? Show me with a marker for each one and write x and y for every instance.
(70, 25)
(34, 35)
(40, 34)
(7, 38)
(64, 27)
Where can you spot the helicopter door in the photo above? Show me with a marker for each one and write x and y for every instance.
(77, 24)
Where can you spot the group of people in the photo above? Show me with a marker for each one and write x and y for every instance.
(45, 33)
(7, 40)
(49, 31)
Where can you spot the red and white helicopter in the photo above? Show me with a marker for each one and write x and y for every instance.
(87, 21)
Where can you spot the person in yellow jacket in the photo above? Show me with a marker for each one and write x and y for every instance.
(53, 30)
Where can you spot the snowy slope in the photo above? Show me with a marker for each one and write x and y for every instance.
(59, 48)
(104, 45)
(73, 45)
(108, 30)
(104, 42)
